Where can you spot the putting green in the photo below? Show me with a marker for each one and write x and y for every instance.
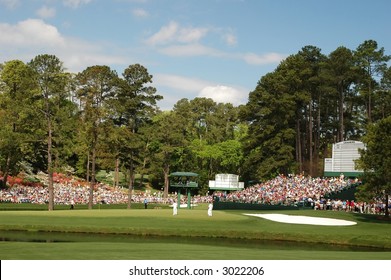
(192, 234)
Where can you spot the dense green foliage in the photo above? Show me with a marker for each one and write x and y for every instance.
(312, 101)
(94, 120)
(376, 161)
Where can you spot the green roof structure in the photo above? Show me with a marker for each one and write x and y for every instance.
(187, 184)
(184, 174)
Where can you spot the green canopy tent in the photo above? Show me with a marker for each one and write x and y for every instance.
(185, 180)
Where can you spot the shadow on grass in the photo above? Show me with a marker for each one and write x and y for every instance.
(370, 218)
(60, 237)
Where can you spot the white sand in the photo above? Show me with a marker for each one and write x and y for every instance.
(305, 220)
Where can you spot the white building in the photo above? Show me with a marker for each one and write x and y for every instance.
(343, 156)
(226, 182)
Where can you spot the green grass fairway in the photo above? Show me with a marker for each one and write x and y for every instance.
(157, 234)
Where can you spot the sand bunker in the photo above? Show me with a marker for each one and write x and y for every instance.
(304, 220)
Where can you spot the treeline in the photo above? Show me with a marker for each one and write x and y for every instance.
(310, 101)
(52, 120)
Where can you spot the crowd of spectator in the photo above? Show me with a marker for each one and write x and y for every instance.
(300, 190)
(286, 190)
(71, 195)
(71, 191)
(282, 190)
(374, 207)
(63, 194)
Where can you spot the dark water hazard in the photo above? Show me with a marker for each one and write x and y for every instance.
(52, 237)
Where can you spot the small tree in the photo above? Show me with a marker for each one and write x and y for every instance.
(375, 160)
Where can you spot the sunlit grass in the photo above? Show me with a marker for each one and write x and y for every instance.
(369, 232)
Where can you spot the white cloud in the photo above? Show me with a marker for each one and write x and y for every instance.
(173, 32)
(230, 39)
(191, 88)
(140, 13)
(33, 37)
(10, 4)
(174, 40)
(224, 94)
(79, 60)
(179, 82)
(46, 12)
(28, 33)
(175, 87)
(188, 50)
(75, 3)
(165, 35)
(190, 34)
(269, 58)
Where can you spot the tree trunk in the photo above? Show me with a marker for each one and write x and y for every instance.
(131, 181)
(166, 171)
(116, 176)
(142, 172)
(317, 139)
(341, 118)
(310, 148)
(93, 163)
(7, 164)
(369, 101)
(6, 171)
(88, 168)
(92, 183)
(387, 213)
(50, 163)
(299, 157)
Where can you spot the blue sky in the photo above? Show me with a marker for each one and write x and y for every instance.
(208, 48)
